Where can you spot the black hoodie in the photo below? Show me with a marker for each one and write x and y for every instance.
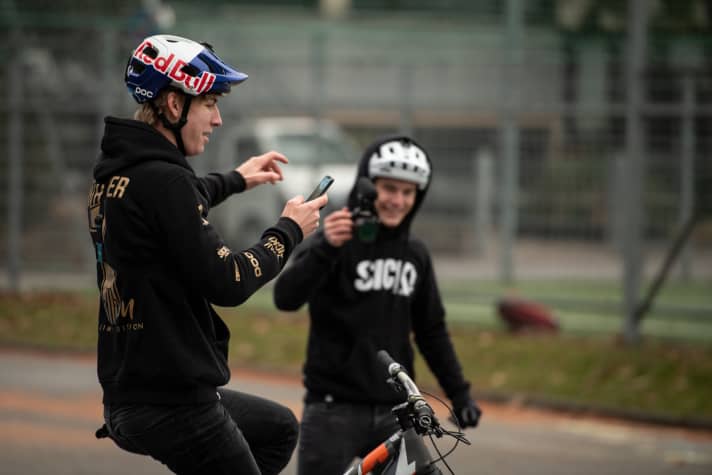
(364, 297)
(160, 266)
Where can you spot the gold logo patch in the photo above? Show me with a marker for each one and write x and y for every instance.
(224, 252)
(274, 245)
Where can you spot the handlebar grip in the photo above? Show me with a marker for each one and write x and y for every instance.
(385, 358)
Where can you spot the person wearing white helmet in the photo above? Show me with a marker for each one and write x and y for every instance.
(161, 266)
(370, 285)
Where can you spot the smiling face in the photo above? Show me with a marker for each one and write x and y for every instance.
(203, 117)
(395, 200)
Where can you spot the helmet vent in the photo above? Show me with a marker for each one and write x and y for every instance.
(190, 70)
(137, 66)
(150, 51)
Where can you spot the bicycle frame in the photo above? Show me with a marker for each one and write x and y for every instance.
(404, 452)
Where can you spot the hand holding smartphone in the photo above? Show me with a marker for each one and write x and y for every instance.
(321, 188)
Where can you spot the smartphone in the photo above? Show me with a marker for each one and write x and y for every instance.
(321, 188)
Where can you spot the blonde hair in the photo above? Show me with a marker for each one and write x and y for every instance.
(147, 112)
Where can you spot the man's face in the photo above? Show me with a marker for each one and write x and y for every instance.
(395, 200)
(203, 117)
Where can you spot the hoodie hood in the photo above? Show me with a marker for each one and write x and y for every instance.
(128, 142)
(363, 171)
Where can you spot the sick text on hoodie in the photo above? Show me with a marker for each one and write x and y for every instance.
(364, 297)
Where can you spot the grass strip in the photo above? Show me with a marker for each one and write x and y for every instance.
(667, 379)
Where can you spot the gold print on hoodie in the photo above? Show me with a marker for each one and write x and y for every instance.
(95, 193)
(114, 306)
(117, 186)
(274, 245)
(94, 205)
(202, 218)
(224, 252)
(111, 300)
(237, 271)
(255, 263)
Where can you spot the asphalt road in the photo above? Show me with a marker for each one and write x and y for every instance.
(49, 409)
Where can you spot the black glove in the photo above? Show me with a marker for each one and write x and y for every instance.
(467, 412)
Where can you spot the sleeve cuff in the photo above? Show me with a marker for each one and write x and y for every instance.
(236, 181)
(461, 397)
(295, 229)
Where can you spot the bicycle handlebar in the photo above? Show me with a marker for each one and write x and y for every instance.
(386, 359)
(417, 420)
(396, 371)
(423, 415)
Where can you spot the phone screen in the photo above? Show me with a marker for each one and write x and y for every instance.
(321, 188)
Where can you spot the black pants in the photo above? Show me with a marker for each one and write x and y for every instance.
(239, 434)
(333, 434)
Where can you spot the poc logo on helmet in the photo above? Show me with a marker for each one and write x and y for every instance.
(143, 92)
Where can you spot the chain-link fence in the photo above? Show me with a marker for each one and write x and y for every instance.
(529, 124)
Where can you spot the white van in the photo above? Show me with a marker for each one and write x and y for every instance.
(314, 148)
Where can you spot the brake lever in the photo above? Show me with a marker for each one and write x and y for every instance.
(397, 386)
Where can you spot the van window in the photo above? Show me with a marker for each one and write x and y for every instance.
(314, 149)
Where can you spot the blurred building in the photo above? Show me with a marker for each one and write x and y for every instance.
(521, 103)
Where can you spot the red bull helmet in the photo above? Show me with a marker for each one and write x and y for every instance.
(165, 60)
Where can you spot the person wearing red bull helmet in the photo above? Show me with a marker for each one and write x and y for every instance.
(161, 266)
(369, 285)
(165, 62)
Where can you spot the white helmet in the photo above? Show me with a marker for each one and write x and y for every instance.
(401, 159)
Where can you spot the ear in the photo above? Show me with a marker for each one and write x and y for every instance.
(174, 106)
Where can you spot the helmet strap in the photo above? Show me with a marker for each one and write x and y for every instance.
(176, 126)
